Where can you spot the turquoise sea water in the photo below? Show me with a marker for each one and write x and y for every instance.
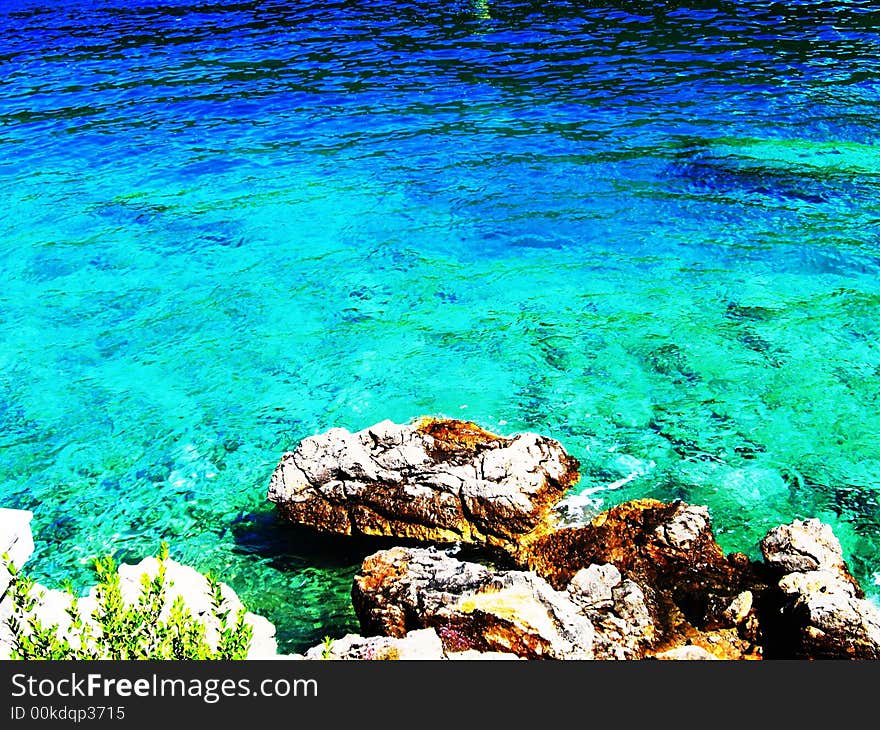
(647, 229)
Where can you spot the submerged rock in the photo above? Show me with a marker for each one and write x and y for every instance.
(435, 480)
(471, 606)
(824, 613)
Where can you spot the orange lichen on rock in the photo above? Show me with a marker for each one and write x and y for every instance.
(454, 434)
(694, 590)
(644, 538)
(471, 606)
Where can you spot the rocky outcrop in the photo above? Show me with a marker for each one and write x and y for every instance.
(824, 613)
(434, 480)
(471, 606)
(804, 546)
(643, 579)
(651, 542)
(625, 605)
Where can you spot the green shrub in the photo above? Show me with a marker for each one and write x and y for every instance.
(120, 631)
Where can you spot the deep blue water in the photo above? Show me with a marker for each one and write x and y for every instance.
(649, 229)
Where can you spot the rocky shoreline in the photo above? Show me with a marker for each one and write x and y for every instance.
(642, 580)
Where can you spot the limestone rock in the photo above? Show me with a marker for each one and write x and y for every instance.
(437, 480)
(16, 541)
(472, 655)
(421, 644)
(802, 546)
(686, 653)
(739, 609)
(724, 643)
(471, 606)
(668, 551)
(833, 622)
(824, 614)
(616, 606)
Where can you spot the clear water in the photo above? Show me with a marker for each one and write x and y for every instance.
(648, 230)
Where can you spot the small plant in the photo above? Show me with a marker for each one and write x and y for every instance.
(327, 648)
(235, 638)
(117, 630)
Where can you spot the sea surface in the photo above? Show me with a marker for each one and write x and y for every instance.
(648, 229)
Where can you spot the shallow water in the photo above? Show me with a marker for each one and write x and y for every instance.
(650, 233)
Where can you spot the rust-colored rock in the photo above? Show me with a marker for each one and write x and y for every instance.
(435, 480)
(667, 546)
(669, 550)
(645, 539)
(600, 614)
(645, 579)
(454, 438)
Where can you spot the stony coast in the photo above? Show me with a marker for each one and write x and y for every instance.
(642, 580)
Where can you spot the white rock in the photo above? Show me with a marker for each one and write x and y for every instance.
(16, 540)
(422, 644)
(686, 653)
(803, 546)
